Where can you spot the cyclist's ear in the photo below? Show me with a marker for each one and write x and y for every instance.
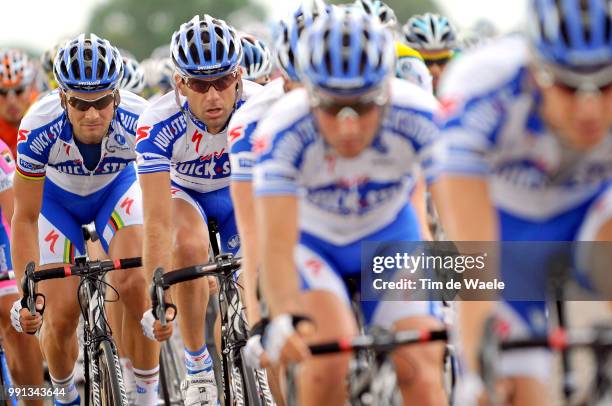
(117, 99)
(62, 96)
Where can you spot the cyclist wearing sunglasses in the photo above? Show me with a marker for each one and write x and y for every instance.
(242, 127)
(336, 167)
(435, 38)
(17, 92)
(526, 154)
(184, 171)
(75, 165)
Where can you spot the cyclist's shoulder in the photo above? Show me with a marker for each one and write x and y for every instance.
(255, 108)
(132, 103)
(250, 89)
(162, 109)
(43, 112)
(286, 113)
(408, 96)
(491, 68)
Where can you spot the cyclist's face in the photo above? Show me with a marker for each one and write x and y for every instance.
(436, 63)
(14, 103)
(582, 120)
(212, 106)
(348, 125)
(90, 125)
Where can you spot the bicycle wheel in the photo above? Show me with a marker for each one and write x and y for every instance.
(5, 381)
(107, 388)
(170, 375)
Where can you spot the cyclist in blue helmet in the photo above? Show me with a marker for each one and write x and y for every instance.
(242, 127)
(75, 165)
(256, 60)
(524, 155)
(185, 172)
(329, 176)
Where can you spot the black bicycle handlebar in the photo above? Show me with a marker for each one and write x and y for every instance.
(384, 342)
(223, 265)
(86, 268)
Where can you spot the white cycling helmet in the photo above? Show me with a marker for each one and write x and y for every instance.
(430, 32)
(378, 9)
(133, 76)
(256, 58)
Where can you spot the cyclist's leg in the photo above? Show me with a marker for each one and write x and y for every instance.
(190, 248)
(419, 367)
(22, 351)
(119, 224)
(322, 380)
(60, 240)
(525, 373)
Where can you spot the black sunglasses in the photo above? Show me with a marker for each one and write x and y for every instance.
(202, 86)
(83, 105)
(17, 91)
(361, 106)
(546, 78)
(439, 62)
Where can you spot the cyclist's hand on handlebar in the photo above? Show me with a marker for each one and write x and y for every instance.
(286, 344)
(23, 321)
(153, 329)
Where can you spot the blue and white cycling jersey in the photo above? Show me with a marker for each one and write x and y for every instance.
(343, 200)
(46, 147)
(243, 125)
(543, 189)
(169, 142)
(494, 130)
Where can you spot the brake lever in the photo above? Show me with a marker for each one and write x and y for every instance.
(160, 306)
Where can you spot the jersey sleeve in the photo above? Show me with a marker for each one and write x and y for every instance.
(154, 142)
(34, 143)
(242, 157)
(278, 158)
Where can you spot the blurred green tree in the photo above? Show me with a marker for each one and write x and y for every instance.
(404, 9)
(141, 26)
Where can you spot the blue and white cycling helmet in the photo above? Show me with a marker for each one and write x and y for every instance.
(205, 47)
(133, 76)
(256, 58)
(573, 34)
(88, 65)
(430, 32)
(289, 33)
(346, 53)
(378, 9)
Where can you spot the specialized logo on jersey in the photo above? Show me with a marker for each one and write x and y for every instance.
(235, 133)
(126, 204)
(143, 133)
(51, 238)
(314, 265)
(22, 135)
(197, 138)
(260, 144)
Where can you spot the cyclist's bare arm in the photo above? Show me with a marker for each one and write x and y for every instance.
(7, 203)
(419, 203)
(24, 228)
(277, 234)
(244, 210)
(157, 211)
(467, 214)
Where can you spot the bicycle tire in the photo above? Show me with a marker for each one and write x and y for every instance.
(5, 381)
(169, 376)
(109, 379)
